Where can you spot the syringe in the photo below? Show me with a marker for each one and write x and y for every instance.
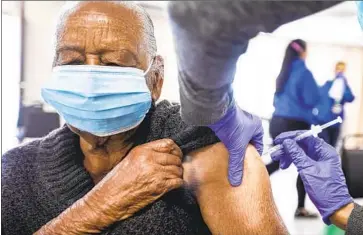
(315, 130)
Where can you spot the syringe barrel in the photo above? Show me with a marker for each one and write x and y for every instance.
(304, 135)
(274, 148)
(315, 130)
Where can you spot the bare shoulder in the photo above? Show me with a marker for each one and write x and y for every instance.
(210, 164)
(246, 209)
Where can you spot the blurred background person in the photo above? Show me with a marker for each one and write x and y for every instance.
(334, 94)
(295, 97)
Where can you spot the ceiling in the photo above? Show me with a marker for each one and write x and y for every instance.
(345, 9)
(10, 7)
(337, 25)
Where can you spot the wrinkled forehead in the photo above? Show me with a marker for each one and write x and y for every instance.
(98, 27)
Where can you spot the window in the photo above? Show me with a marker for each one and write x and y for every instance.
(11, 72)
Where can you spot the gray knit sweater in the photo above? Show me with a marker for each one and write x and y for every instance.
(43, 178)
(355, 222)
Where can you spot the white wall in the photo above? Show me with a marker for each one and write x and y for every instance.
(40, 24)
(10, 79)
(338, 25)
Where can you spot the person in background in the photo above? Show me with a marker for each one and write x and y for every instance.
(209, 37)
(334, 94)
(296, 95)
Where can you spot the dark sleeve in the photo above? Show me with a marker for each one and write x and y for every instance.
(12, 221)
(310, 93)
(348, 95)
(209, 38)
(355, 221)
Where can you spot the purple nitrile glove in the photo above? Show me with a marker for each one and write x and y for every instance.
(319, 166)
(236, 129)
(285, 162)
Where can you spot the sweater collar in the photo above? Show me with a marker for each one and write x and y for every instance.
(60, 168)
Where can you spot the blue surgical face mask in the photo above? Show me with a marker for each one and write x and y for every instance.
(101, 100)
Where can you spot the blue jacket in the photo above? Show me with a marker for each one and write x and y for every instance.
(326, 103)
(299, 96)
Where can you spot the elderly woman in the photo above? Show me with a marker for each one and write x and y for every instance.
(123, 165)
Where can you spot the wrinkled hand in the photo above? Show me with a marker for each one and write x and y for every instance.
(319, 166)
(146, 174)
(236, 130)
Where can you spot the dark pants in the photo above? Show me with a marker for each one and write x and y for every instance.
(279, 125)
(330, 135)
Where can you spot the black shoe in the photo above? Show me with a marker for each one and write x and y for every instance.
(303, 213)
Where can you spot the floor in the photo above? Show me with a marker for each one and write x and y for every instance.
(284, 191)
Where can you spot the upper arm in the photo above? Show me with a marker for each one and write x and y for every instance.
(246, 209)
(310, 89)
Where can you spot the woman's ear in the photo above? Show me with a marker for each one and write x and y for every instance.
(156, 79)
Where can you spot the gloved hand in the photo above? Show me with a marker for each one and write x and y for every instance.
(285, 162)
(319, 166)
(236, 129)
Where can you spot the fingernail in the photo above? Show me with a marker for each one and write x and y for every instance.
(235, 180)
(235, 183)
(288, 142)
(274, 157)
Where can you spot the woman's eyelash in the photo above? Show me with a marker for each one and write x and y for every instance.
(112, 64)
(73, 62)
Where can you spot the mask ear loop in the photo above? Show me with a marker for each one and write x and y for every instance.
(149, 68)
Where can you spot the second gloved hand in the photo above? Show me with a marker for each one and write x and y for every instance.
(236, 130)
(319, 166)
